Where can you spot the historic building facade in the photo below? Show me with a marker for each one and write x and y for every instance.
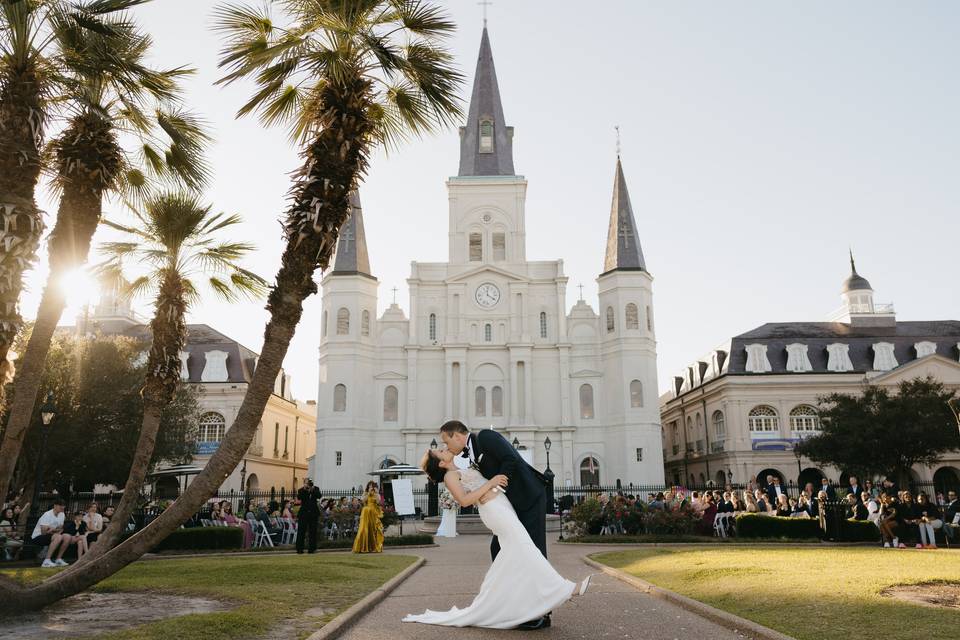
(488, 339)
(736, 413)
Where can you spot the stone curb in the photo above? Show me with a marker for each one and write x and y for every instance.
(723, 618)
(340, 623)
(267, 554)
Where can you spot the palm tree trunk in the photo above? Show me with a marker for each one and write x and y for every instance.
(332, 165)
(21, 222)
(69, 248)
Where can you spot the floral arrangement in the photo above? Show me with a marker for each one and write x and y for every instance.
(446, 499)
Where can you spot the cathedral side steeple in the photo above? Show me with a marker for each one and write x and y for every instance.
(486, 142)
(352, 257)
(623, 240)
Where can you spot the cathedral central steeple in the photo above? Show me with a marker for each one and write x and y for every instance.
(351, 257)
(486, 142)
(623, 241)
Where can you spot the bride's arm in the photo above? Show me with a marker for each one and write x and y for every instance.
(464, 498)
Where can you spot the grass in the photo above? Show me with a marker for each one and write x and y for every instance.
(810, 594)
(678, 539)
(268, 591)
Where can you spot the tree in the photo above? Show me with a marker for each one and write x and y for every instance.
(176, 239)
(123, 128)
(31, 67)
(96, 384)
(879, 432)
(345, 76)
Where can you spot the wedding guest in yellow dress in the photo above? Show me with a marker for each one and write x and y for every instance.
(370, 532)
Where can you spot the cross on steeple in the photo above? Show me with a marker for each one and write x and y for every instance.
(394, 295)
(485, 4)
(625, 233)
(346, 236)
(581, 292)
(617, 128)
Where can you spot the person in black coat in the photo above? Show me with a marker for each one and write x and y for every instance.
(827, 488)
(308, 495)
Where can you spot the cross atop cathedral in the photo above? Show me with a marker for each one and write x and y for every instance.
(485, 4)
(617, 129)
(394, 295)
(581, 292)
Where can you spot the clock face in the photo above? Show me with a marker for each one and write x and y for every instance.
(488, 295)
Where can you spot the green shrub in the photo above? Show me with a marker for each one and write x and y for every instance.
(859, 531)
(389, 541)
(589, 515)
(202, 538)
(755, 525)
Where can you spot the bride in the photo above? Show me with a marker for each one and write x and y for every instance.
(520, 584)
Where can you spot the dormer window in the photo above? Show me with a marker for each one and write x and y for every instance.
(486, 136)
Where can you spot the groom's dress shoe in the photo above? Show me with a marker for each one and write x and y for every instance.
(546, 621)
(533, 625)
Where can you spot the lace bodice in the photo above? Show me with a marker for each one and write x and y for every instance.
(471, 479)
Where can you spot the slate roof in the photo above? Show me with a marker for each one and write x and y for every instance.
(202, 338)
(352, 257)
(817, 335)
(485, 103)
(623, 240)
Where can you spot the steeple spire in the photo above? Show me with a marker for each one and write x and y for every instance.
(352, 257)
(853, 265)
(623, 241)
(486, 142)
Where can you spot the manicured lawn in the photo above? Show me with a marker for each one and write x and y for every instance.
(810, 594)
(268, 591)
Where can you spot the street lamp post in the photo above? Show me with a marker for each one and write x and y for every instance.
(548, 474)
(433, 497)
(516, 442)
(47, 412)
(796, 453)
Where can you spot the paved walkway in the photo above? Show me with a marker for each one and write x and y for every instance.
(452, 576)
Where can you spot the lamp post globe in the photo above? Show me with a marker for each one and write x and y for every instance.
(516, 442)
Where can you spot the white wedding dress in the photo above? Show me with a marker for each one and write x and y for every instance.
(448, 524)
(519, 586)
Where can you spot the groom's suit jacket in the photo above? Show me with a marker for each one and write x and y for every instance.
(494, 455)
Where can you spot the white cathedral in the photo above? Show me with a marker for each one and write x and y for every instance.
(488, 340)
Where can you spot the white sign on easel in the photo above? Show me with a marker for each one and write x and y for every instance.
(403, 497)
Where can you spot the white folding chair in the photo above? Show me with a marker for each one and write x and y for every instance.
(262, 535)
(289, 535)
(720, 525)
(205, 522)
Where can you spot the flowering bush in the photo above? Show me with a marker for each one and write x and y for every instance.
(678, 519)
(389, 516)
(590, 516)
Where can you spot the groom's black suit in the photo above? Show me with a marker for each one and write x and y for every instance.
(527, 489)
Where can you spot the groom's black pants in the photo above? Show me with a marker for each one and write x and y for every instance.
(534, 520)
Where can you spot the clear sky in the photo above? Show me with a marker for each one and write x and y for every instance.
(760, 140)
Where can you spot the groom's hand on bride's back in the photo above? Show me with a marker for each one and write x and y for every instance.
(501, 480)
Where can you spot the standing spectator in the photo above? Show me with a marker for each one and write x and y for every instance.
(49, 533)
(369, 537)
(12, 542)
(75, 532)
(774, 491)
(307, 517)
(928, 520)
(827, 488)
(94, 523)
(951, 517)
(855, 488)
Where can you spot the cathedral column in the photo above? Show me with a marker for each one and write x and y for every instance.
(514, 384)
(528, 392)
(414, 318)
(565, 413)
(463, 393)
(561, 311)
(448, 396)
(411, 389)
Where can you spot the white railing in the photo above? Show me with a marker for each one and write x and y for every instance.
(879, 309)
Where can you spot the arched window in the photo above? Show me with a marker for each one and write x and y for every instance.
(633, 316)
(476, 247)
(391, 403)
(433, 326)
(486, 136)
(340, 398)
(487, 333)
(496, 402)
(586, 402)
(543, 324)
(804, 418)
(343, 321)
(610, 320)
(365, 323)
(590, 472)
(212, 427)
(763, 418)
(719, 426)
(323, 325)
(699, 424)
(636, 394)
(480, 402)
(499, 247)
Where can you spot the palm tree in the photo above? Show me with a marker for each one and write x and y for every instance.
(176, 239)
(344, 76)
(123, 129)
(30, 66)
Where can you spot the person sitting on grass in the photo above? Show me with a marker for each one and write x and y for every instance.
(75, 533)
(10, 541)
(49, 533)
(888, 523)
(928, 521)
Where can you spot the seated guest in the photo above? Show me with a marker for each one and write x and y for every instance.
(750, 503)
(216, 512)
(796, 507)
(727, 502)
(888, 523)
(869, 488)
(709, 514)
(783, 506)
(909, 518)
(855, 488)
(658, 501)
(736, 506)
(872, 505)
(12, 542)
(75, 532)
(928, 520)
(94, 523)
(763, 506)
(855, 509)
(285, 511)
(108, 515)
(49, 533)
(951, 517)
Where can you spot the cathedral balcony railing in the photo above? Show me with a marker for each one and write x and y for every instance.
(843, 313)
(716, 446)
